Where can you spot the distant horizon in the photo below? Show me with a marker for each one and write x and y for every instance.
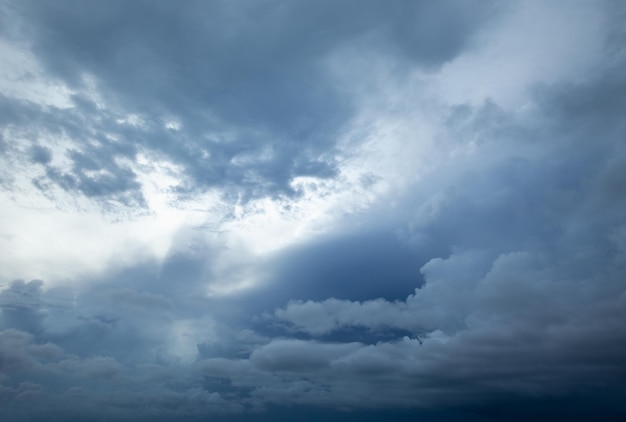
(312, 210)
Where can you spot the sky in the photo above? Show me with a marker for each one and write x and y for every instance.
(280, 210)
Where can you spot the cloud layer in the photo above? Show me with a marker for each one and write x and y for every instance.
(329, 210)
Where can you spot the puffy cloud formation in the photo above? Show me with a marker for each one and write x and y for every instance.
(324, 210)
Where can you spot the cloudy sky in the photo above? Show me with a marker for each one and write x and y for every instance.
(299, 210)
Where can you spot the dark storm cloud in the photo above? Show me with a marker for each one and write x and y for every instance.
(20, 305)
(113, 185)
(493, 289)
(249, 83)
(263, 53)
(96, 170)
(529, 301)
(41, 154)
(80, 356)
(531, 296)
(347, 266)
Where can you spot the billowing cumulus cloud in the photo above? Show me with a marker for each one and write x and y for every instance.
(325, 210)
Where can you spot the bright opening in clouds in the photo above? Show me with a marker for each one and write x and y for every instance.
(304, 210)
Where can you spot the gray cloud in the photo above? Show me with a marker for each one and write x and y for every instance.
(41, 154)
(248, 83)
(21, 307)
(486, 282)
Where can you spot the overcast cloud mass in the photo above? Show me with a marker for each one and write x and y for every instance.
(312, 210)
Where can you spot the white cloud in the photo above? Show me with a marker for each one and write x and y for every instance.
(534, 42)
(23, 78)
